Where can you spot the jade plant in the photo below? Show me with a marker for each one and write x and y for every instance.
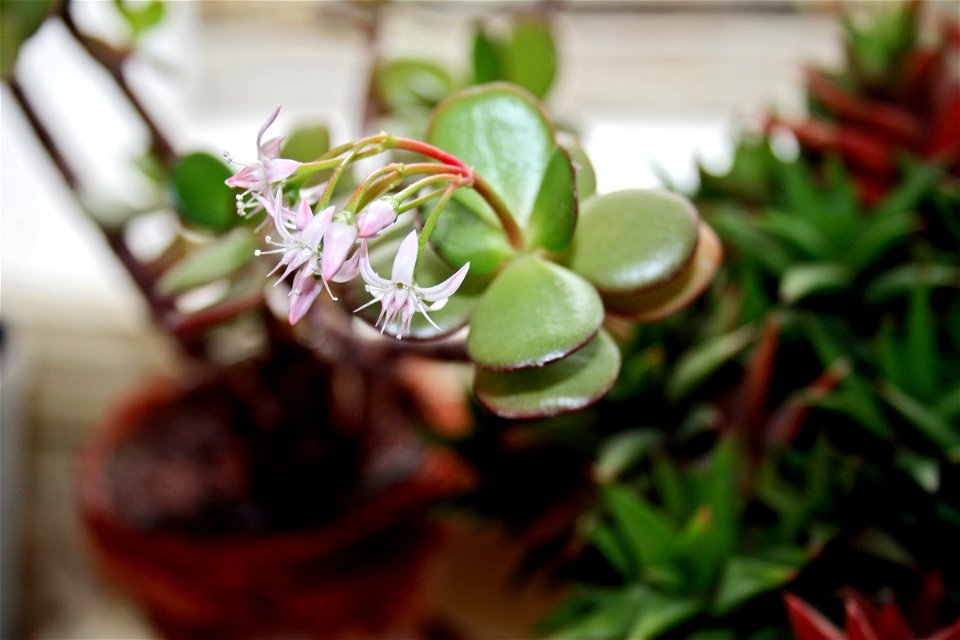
(496, 230)
(404, 90)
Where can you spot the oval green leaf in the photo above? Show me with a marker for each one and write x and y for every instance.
(554, 214)
(533, 313)
(211, 262)
(660, 302)
(568, 384)
(306, 143)
(463, 235)
(530, 57)
(407, 83)
(500, 131)
(632, 240)
(200, 194)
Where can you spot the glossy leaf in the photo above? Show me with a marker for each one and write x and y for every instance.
(554, 213)
(306, 143)
(199, 192)
(660, 302)
(464, 235)
(486, 58)
(209, 263)
(534, 312)
(586, 177)
(569, 384)
(530, 57)
(501, 132)
(633, 240)
(405, 83)
(526, 57)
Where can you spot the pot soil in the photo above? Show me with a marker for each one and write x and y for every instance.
(233, 509)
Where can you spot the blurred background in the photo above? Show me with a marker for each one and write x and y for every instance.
(652, 87)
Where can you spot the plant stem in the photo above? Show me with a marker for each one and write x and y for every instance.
(507, 221)
(113, 61)
(431, 221)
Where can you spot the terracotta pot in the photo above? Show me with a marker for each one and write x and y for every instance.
(365, 572)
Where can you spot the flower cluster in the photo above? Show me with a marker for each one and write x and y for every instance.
(317, 243)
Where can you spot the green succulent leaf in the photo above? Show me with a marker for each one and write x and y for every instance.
(744, 578)
(652, 537)
(306, 143)
(700, 361)
(212, 262)
(501, 132)
(200, 194)
(465, 235)
(409, 83)
(530, 57)
(659, 302)
(582, 167)
(486, 58)
(608, 613)
(807, 279)
(526, 57)
(554, 213)
(534, 312)
(658, 613)
(569, 384)
(633, 240)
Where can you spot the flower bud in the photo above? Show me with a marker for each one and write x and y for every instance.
(378, 215)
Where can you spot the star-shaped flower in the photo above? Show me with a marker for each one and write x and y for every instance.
(257, 177)
(300, 245)
(400, 297)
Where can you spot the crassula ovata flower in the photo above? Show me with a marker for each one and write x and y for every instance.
(338, 239)
(300, 246)
(257, 177)
(399, 296)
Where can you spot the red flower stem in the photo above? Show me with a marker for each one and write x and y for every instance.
(408, 144)
(510, 228)
(507, 221)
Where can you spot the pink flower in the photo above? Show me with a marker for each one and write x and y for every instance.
(300, 302)
(338, 239)
(378, 215)
(299, 246)
(257, 177)
(399, 296)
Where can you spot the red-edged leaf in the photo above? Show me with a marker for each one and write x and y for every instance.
(807, 623)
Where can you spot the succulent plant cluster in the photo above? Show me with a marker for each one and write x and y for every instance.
(506, 248)
(799, 428)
